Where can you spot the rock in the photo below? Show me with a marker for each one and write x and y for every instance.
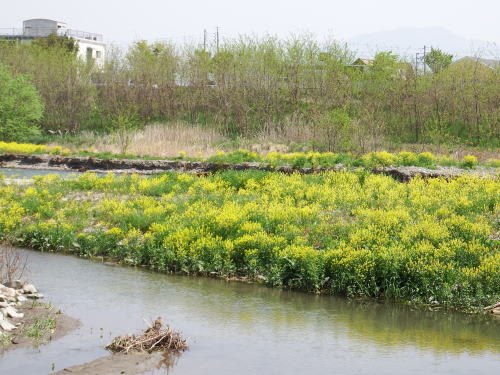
(4, 304)
(16, 284)
(34, 295)
(29, 289)
(8, 292)
(21, 298)
(3, 298)
(12, 312)
(6, 325)
(496, 311)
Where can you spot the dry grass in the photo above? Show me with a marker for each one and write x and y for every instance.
(165, 140)
(291, 134)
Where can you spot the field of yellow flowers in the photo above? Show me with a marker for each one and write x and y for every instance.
(347, 233)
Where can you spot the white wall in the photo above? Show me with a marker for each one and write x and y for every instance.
(97, 49)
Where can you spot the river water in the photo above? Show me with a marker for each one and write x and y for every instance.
(237, 328)
(30, 173)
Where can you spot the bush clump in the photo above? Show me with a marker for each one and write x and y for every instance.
(20, 107)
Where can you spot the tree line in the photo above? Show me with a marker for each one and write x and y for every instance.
(256, 85)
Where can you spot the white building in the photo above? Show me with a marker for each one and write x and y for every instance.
(91, 46)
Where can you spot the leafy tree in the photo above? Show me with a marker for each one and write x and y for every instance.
(385, 65)
(438, 60)
(20, 107)
(336, 124)
(58, 41)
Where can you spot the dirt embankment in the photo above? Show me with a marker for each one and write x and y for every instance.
(82, 164)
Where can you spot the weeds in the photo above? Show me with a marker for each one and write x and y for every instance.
(40, 328)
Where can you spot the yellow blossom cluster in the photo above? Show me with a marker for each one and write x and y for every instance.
(349, 233)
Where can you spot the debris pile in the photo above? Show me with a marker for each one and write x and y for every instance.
(494, 309)
(13, 294)
(157, 337)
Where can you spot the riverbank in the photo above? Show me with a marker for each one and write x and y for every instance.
(25, 321)
(148, 167)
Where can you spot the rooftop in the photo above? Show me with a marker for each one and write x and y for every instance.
(18, 33)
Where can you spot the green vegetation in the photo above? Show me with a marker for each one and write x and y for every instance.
(438, 60)
(54, 41)
(5, 340)
(347, 233)
(40, 328)
(20, 107)
(295, 89)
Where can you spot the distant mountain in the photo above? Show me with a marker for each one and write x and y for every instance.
(411, 39)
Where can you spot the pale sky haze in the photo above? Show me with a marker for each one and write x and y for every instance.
(123, 21)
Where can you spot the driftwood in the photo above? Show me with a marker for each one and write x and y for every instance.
(155, 338)
(494, 309)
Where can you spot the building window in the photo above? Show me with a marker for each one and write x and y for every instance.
(97, 54)
(89, 53)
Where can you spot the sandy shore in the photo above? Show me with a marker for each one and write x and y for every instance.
(64, 324)
(129, 364)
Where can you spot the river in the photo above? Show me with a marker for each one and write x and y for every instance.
(238, 328)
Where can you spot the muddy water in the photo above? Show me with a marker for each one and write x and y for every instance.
(236, 328)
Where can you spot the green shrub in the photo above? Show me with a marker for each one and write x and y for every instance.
(20, 107)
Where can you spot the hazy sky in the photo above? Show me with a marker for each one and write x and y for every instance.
(123, 21)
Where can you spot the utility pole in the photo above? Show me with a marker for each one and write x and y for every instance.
(420, 58)
(204, 40)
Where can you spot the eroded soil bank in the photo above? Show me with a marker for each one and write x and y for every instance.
(83, 164)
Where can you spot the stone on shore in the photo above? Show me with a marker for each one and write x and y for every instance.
(34, 295)
(12, 312)
(29, 289)
(8, 292)
(5, 324)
